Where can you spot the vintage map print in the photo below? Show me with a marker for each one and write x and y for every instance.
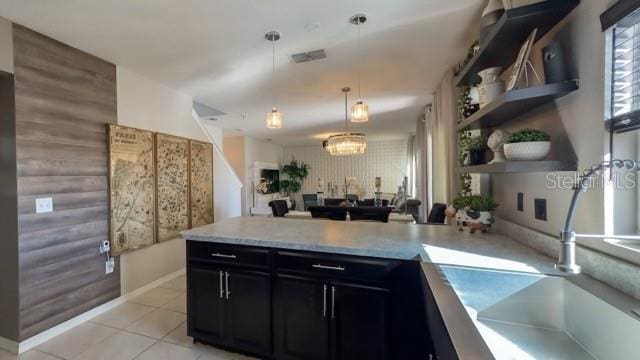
(201, 183)
(172, 174)
(132, 188)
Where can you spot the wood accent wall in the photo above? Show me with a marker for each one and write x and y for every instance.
(64, 98)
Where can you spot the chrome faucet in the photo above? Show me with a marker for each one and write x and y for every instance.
(567, 259)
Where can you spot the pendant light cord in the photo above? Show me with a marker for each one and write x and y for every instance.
(346, 112)
(359, 60)
(273, 72)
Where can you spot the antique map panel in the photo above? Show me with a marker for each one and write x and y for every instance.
(172, 178)
(201, 183)
(132, 188)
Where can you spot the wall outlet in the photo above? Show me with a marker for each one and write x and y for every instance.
(44, 205)
(541, 209)
(110, 265)
(520, 201)
(104, 246)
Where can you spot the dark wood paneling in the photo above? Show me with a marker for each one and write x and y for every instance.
(64, 98)
(9, 324)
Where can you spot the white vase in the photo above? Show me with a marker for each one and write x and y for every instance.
(533, 150)
(491, 86)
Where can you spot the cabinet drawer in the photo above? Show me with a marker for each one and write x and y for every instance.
(335, 266)
(227, 254)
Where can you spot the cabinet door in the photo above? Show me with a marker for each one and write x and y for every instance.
(249, 310)
(360, 322)
(206, 319)
(301, 318)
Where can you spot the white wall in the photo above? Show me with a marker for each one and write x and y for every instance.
(257, 150)
(145, 104)
(575, 124)
(6, 45)
(387, 159)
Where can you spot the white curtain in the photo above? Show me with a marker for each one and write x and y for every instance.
(411, 165)
(423, 165)
(441, 143)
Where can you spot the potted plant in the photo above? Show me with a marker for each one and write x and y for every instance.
(475, 212)
(527, 144)
(296, 173)
(476, 148)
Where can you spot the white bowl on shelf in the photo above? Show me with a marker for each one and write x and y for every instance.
(528, 151)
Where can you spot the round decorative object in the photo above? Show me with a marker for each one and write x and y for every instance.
(534, 150)
(496, 144)
(491, 86)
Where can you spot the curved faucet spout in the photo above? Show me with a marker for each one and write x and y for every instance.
(567, 257)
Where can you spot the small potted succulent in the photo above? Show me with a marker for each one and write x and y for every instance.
(476, 149)
(527, 144)
(474, 212)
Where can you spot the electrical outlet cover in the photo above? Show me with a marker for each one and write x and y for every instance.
(44, 205)
(520, 201)
(541, 209)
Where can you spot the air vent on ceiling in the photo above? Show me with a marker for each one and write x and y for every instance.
(309, 56)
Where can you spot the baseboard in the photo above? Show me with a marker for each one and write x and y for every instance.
(8, 345)
(32, 342)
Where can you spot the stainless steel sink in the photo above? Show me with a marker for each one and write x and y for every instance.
(533, 316)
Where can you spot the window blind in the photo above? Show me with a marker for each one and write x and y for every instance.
(623, 75)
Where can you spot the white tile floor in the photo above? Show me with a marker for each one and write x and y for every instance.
(151, 326)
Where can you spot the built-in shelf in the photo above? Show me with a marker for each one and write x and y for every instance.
(521, 167)
(514, 103)
(513, 28)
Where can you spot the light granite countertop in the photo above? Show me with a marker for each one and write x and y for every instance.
(437, 244)
(433, 245)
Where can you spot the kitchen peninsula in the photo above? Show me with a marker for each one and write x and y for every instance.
(319, 289)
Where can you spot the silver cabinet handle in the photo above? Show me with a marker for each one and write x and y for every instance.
(226, 284)
(324, 302)
(326, 267)
(221, 287)
(333, 302)
(226, 256)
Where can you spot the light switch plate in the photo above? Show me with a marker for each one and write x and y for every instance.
(44, 205)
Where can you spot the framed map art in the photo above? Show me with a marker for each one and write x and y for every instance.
(131, 189)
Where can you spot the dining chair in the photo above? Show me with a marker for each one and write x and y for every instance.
(278, 207)
(366, 202)
(437, 214)
(309, 200)
(370, 213)
(333, 202)
(329, 212)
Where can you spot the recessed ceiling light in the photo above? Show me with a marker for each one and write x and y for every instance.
(312, 26)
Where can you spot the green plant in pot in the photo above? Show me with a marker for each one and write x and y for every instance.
(474, 212)
(476, 148)
(296, 172)
(527, 144)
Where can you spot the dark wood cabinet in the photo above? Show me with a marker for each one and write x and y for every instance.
(206, 310)
(300, 318)
(295, 305)
(249, 310)
(230, 307)
(360, 322)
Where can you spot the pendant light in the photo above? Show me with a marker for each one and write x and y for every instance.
(274, 117)
(359, 110)
(346, 143)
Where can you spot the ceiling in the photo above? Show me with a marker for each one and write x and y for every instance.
(215, 51)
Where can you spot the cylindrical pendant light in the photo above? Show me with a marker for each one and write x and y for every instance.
(359, 110)
(274, 117)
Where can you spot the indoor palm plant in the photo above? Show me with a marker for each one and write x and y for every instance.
(474, 211)
(527, 144)
(296, 172)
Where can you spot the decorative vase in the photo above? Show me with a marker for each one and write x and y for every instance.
(477, 157)
(496, 144)
(555, 65)
(491, 86)
(474, 220)
(528, 151)
(490, 16)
